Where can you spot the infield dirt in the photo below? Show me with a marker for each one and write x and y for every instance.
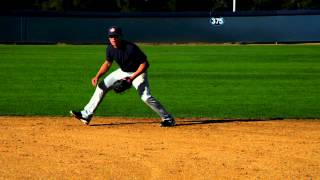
(124, 148)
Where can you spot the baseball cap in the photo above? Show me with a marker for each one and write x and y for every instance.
(114, 31)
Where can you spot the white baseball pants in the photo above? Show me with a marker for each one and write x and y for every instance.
(140, 83)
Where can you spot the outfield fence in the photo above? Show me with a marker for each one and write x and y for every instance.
(162, 28)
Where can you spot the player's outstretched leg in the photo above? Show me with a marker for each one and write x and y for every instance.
(103, 87)
(142, 85)
(86, 114)
(155, 105)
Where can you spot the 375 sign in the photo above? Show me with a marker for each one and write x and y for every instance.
(217, 21)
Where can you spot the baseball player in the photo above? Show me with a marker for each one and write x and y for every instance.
(133, 65)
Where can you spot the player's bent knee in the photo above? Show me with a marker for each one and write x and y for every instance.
(102, 86)
(145, 97)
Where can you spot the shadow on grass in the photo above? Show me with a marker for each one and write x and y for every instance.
(186, 122)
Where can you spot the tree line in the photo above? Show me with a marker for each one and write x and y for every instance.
(156, 5)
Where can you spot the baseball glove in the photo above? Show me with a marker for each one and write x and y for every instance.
(121, 85)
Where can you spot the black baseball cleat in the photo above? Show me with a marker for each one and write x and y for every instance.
(168, 123)
(78, 115)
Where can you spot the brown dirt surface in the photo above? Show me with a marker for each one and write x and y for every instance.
(133, 148)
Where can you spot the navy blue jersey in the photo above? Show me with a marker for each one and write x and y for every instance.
(128, 56)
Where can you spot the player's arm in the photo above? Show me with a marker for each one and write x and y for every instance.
(103, 69)
(142, 68)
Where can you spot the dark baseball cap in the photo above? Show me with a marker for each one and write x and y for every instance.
(114, 31)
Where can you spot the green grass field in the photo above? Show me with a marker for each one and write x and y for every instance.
(216, 81)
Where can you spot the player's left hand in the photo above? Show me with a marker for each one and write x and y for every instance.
(122, 85)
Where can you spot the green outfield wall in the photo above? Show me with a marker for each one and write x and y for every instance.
(82, 29)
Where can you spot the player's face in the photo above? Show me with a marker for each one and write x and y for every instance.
(115, 41)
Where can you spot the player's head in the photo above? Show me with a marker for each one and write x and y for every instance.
(114, 35)
(114, 31)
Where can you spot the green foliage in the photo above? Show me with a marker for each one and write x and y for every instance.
(218, 81)
(157, 6)
(125, 6)
(298, 4)
(56, 5)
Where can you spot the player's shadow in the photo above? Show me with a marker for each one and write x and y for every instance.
(200, 122)
(190, 122)
(121, 123)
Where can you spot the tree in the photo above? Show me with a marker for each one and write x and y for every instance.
(156, 5)
(221, 5)
(298, 4)
(55, 5)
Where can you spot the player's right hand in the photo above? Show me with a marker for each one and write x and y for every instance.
(94, 81)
